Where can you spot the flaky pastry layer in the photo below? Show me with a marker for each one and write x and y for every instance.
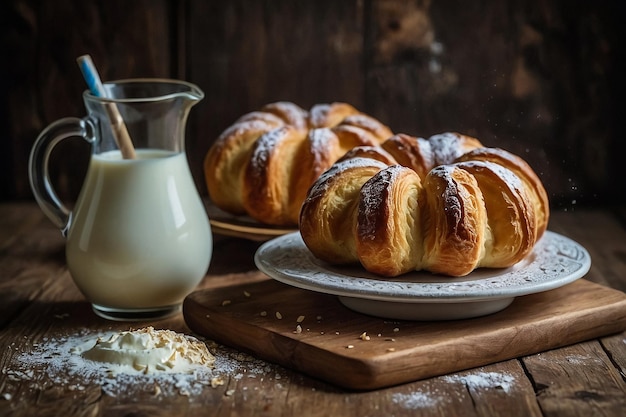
(445, 204)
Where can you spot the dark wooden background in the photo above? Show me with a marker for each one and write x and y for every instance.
(544, 79)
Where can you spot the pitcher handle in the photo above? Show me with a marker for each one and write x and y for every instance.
(39, 177)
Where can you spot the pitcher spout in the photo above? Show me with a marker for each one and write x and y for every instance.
(194, 95)
(154, 111)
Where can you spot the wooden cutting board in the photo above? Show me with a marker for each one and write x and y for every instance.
(315, 334)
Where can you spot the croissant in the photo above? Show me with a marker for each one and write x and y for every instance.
(444, 204)
(266, 161)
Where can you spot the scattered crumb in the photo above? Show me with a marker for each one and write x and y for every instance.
(229, 392)
(396, 330)
(279, 316)
(300, 319)
(263, 313)
(391, 349)
(298, 329)
(246, 293)
(350, 347)
(226, 302)
(364, 336)
(217, 381)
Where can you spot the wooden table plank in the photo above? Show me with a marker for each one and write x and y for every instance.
(578, 380)
(16, 219)
(31, 254)
(39, 303)
(615, 347)
(603, 235)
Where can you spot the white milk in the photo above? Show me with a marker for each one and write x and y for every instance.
(139, 235)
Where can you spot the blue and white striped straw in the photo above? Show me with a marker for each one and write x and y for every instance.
(90, 73)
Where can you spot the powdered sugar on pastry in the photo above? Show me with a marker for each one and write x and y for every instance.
(465, 214)
(288, 162)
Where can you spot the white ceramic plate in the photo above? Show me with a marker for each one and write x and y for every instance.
(555, 261)
(246, 227)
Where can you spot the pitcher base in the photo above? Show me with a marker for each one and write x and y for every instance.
(140, 314)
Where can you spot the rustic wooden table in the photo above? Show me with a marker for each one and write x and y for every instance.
(42, 312)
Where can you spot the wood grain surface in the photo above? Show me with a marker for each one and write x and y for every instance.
(542, 79)
(39, 303)
(315, 334)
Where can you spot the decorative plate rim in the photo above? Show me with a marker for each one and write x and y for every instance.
(555, 261)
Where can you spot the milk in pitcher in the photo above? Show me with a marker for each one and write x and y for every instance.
(139, 235)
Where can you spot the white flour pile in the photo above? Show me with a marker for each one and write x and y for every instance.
(147, 351)
(160, 362)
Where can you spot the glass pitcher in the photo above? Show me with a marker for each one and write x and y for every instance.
(138, 238)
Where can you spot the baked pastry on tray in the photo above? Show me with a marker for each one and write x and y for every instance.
(446, 204)
(265, 162)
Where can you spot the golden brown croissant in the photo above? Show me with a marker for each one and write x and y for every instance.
(266, 161)
(446, 205)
